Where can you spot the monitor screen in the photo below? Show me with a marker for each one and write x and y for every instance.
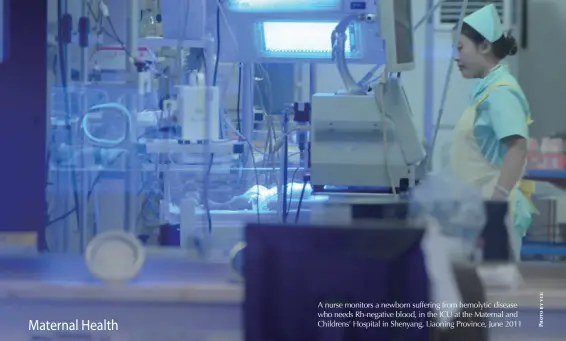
(403, 31)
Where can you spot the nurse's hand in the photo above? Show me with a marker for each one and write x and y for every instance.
(498, 196)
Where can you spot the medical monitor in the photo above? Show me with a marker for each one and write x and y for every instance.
(396, 28)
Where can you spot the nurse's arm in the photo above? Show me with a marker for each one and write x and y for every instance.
(512, 167)
(509, 122)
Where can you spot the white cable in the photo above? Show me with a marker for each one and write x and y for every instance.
(235, 130)
(268, 89)
(235, 41)
(368, 77)
(107, 143)
(271, 152)
(249, 143)
(267, 108)
(380, 97)
(228, 26)
(181, 37)
(252, 155)
(463, 12)
(232, 36)
(104, 9)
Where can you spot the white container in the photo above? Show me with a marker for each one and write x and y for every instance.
(115, 256)
(192, 113)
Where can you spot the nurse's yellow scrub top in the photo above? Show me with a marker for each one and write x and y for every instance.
(504, 113)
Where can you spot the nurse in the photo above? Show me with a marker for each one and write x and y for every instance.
(489, 147)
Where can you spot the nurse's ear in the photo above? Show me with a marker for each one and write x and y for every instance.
(484, 47)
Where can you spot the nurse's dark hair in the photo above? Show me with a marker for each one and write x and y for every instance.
(502, 47)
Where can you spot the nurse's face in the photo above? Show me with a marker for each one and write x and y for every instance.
(469, 58)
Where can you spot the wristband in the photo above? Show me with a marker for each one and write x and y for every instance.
(502, 190)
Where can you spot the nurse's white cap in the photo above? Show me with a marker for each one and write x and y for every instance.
(487, 22)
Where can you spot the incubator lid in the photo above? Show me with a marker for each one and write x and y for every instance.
(115, 256)
(487, 22)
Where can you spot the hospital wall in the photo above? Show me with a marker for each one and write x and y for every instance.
(542, 68)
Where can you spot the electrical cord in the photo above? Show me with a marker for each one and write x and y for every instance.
(104, 13)
(63, 74)
(299, 205)
(271, 130)
(89, 194)
(99, 18)
(150, 193)
(239, 99)
(272, 136)
(217, 61)
(291, 190)
(272, 139)
(181, 38)
(285, 167)
(252, 155)
(205, 200)
(148, 203)
(120, 41)
(269, 121)
(241, 136)
(384, 131)
(205, 193)
(225, 19)
(73, 210)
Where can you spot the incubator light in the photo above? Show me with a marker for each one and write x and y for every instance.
(301, 39)
(272, 6)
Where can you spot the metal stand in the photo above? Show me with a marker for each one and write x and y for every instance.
(130, 195)
(248, 117)
(429, 77)
(312, 80)
(285, 170)
(85, 174)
